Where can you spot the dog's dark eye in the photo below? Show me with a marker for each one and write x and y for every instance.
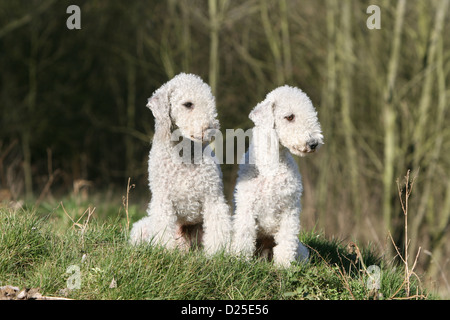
(188, 105)
(290, 118)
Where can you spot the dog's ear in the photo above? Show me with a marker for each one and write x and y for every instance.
(262, 114)
(159, 104)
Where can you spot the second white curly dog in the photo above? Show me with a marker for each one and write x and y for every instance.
(269, 185)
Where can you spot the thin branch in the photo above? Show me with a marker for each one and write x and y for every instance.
(13, 25)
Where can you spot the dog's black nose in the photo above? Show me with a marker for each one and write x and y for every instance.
(313, 144)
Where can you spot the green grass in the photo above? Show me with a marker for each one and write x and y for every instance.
(37, 246)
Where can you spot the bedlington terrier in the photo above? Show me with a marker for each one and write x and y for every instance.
(269, 186)
(187, 204)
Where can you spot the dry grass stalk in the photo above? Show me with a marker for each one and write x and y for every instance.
(125, 201)
(409, 272)
(82, 226)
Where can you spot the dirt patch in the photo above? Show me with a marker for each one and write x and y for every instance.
(14, 293)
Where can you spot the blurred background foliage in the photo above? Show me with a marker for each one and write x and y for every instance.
(72, 102)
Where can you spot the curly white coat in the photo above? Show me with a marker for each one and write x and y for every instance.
(269, 185)
(187, 204)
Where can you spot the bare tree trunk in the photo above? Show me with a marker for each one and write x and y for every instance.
(423, 124)
(31, 106)
(420, 133)
(131, 114)
(186, 32)
(273, 41)
(346, 60)
(284, 21)
(328, 102)
(443, 215)
(27, 164)
(389, 116)
(165, 47)
(216, 11)
(439, 240)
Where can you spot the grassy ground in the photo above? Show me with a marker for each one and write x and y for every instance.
(52, 248)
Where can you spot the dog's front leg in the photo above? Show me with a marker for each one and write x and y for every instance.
(286, 239)
(163, 221)
(216, 225)
(244, 231)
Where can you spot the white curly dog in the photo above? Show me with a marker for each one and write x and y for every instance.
(269, 186)
(187, 204)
